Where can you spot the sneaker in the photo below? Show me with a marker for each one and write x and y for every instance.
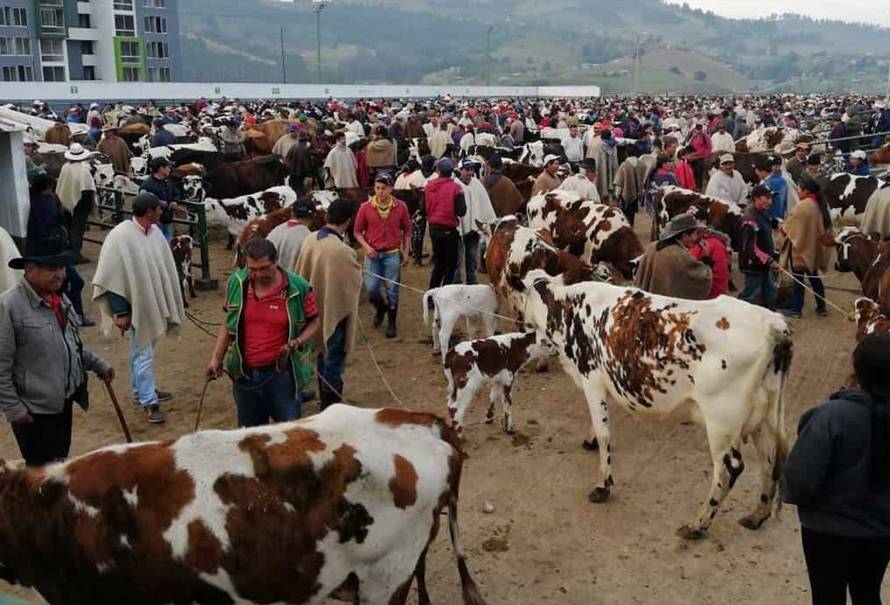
(154, 415)
(163, 395)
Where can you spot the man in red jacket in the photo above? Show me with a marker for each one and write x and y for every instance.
(445, 203)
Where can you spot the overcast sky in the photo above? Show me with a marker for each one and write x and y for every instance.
(869, 11)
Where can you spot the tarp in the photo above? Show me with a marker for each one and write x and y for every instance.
(38, 125)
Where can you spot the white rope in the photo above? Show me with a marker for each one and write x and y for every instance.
(383, 379)
(846, 314)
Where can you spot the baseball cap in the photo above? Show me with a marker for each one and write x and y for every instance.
(858, 154)
(158, 163)
(550, 158)
(445, 165)
(760, 190)
(726, 157)
(144, 202)
(383, 177)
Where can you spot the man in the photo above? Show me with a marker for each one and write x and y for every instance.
(603, 149)
(271, 318)
(289, 236)
(839, 131)
(43, 362)
(721, 140)
(727, 183)
(299, 164)
(76, 190)
(340, 165)
(547, 180)
(584, 182)
(757, 257)
(505, 197)
(383, 229)
(29, 145)
(858, 166)
(162, 186)
(796, 165)
(668, 268)
(479, 209)
(232, 140)
(700, 145)
(353, 125)
(381, 152)
(573, 147)
(517, 130)
(880, 124)
(162, 136)
(444, 204)
(331, 268)
(769, 172)
(410, 177)
(285, 143)
(439, 141)
(135, 286)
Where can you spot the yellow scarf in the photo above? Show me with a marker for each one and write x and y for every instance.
(382, 210)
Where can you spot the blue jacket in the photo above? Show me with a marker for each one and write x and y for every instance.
(776, 183)
(861, 170)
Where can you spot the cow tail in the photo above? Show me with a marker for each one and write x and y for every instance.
(469, 590)
(783, 351)
(427, 302)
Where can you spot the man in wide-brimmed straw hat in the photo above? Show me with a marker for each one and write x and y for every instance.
(76, 189)
(668, 268)
(42, 371)
(115, 148)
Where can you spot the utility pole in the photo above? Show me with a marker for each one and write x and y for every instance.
(319, 6)
(488, 55)
(283, 66)
(637, 64)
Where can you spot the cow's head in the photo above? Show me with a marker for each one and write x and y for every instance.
(193, 188)
(855, 250)
(542, 347)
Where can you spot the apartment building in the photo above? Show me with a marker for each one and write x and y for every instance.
(105, 40)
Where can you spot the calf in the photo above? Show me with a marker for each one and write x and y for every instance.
(182, 247)
(868, 258)
(593, 232)
(347, 502)
(236, 213)
(720, 362)
(450, 303)
(869, 318)
(496, 360)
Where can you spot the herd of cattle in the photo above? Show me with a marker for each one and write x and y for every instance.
(347, 502)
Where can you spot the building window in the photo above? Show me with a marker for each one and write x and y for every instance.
(86, 47)
(157, 50)
(163, 74)
(131, 74)
(124, 25)
(156, 25)
(123, 5)
(9, 73)
(154, 3)
(54, 74)
(15, 46)
(83, 20)
(130, 52)
(13, 17)
(52, 19)
(52, 50)
(89, 72)
(26, 74)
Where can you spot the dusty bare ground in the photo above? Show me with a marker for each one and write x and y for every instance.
(544, 543)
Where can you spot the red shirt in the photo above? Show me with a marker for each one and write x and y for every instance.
(383, 236)
(720, 269)
(266, 324)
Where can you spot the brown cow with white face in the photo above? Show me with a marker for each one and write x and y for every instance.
(868, 258)
(720, 215)
(347, 501)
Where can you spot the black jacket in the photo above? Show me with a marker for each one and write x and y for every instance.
(828, 474)
(757, 247)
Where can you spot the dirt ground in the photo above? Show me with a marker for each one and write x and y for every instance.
(544, 542)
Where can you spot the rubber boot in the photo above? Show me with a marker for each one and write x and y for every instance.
(391, 322)
(325, 395)
(379, 310)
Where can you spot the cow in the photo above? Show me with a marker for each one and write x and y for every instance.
(245, 177)
(345, 502)
(261, 138)
(847, 195)
(188, 155)
(182, 247)
(880, 157)
(721, 215)
(449, 303)
(495, 360)
(593, 232)
(720, 362)
(235, 213)
(868, 258)
(770, 139)
(869, 318)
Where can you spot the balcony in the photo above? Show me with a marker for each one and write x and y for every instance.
(84, 8)
(83, 33)
(50, 19)
(89, 60)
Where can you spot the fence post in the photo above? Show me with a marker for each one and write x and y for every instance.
(206, 282)
(118, 206)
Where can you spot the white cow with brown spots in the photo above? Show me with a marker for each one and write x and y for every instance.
(494, 360)
(346, 502)
(719, 362)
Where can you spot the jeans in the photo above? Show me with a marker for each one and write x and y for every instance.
(142, 376)
(389, 265)
(837, 562)
(73, 287)
(79, 217)
(47, 439)
(469, 254)
(330, 366)
(266, 394)
(445, 247)
(167, 230)
(759, 282)
(796, 304)
(418, 231)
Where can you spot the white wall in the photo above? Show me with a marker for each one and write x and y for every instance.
(13, 185)
(98, 91)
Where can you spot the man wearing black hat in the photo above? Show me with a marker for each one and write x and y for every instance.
(668, 267)
(505, 197)
(160, 184)
(288, 237)
(42, 359)
(332, 269)
(758, 252)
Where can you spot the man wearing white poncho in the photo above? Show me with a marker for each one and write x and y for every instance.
(479, 209)
(137, 289)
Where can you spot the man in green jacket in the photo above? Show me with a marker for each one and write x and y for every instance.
(271, 317)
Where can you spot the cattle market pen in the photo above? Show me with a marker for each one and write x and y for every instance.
(112, 201)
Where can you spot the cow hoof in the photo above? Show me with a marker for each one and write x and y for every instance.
(599, 494)
(590, 446)
(510, 431)
(688, 532)
(752, 521)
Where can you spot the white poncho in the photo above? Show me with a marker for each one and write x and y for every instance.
(74, 179)
(479, 206)
(141, 269)
(9, 278)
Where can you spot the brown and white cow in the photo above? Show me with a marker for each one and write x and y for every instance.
(879, 157)
(869, 318)
(720, 215)
(868, 258)
(235, 213)
(720, 362)
(847, 195)
(182, 247)
(593, 232)
(495, 360)
(346, 501)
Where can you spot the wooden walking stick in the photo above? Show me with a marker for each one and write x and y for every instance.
(117, 408)
(201, 404)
